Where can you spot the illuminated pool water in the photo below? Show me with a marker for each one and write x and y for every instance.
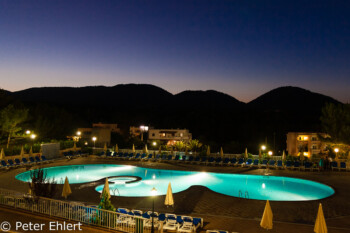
(255, 186)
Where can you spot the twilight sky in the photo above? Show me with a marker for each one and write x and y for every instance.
(243, 48)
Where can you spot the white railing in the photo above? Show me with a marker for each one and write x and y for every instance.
(75, 211)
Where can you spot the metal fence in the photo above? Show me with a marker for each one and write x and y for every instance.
(76, 212)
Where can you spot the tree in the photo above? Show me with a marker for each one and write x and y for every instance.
(335, 121)
(41, 185)
(10, 118)
(179, 146)
(106, 203)
(194, 145)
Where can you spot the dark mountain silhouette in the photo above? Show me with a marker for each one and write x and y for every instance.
(294, 98)
(211, 116)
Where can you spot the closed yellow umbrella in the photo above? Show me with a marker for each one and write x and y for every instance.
(221, 152)
(133, 148)
(105, 148)
(22, 152)
(2, 154)
(320, 224)
(246, 153)
(75, 147)
(145, 150)
(266, 220)
(169, 200)
(66, 189)
(106, 189)
(31, 189)
(259, 153)
(284, 156)
(31, 151)
(208, 150)
(116, 148)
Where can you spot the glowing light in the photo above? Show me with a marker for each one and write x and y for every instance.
(263, 185)
(306, 153)
(270, 153)
(336, 150)
(154, 143)
(306, 138)
(78, 133)
(154, 191)
(263, 147)
(94, 139)
(28, 132)
(33, 136)
(154, 177)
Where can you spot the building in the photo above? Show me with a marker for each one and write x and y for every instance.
(101, 131)
(170, 136)
(134, 131)
(307, 143)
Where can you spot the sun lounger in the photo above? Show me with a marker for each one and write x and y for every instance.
(183, 159)
(288, 164)
(170, 222)
(307, 166)
(271, 163)
(44, 159)
(279, 164)
(233, 162)
(255, 163)
(204, 160)
(37, 159)
(187, 225)
(190, 159)
(10, 163)
(226, 162)
(240, 162)
(342, 166)
(176, 159)
(296, 165)
(210, 161)
(18, 162)
(137, 212)
(248, 163)
(218, 161)
(263, 164)
(334, 165)
(4, 164)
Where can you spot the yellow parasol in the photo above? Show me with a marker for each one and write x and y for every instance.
(106, 189)
(169, 200)
(320, 224)
(208, 150)
(66, 189)
(221, 152)
(266, 220)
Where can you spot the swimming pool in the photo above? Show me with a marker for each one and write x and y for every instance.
(138, 182)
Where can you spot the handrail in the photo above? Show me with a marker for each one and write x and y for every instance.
(246, 195)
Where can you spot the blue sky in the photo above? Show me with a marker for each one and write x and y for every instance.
(242, 48)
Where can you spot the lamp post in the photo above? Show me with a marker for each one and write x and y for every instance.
(143, 129)
(270, 153)
(336, 150)
(94, 140)
(154, 193)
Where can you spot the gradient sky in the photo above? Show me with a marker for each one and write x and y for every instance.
(242, 48)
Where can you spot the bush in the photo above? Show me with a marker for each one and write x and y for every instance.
(42, 186)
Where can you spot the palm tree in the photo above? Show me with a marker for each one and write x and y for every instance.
(194, 145)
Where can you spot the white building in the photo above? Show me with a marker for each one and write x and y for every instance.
(169, 135)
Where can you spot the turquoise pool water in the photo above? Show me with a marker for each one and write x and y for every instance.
(257, 187)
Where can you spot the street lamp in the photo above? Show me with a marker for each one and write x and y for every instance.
(263, 147)
(33, 136)
(153, 193)
(28, 132)
(336, 150)
(270, 153)
(94, 140)
(143, 129)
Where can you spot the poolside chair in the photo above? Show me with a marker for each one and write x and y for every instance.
(197, 222)
(218, 161)
(226, 162)
(190, 159)
(37, 159)
(204, 160)
(342, 166)
(170, 158)
(137, 212)
(196, 160)
(24, 161)
(187, 224)
(307, 166)
(44, 159)
(288, 164)
(233, 162)
(10, 163)
(248, 163)
(263, 164)
(279, 164)
(210, 161)
(334, 165)
(183, 159)
(123, 210)
(143, 156)
(170, 222)
(18, 162)
(4, 164)
(163, 158)
(153, 159)
(271, 163)
(176, 159)
(240, 162)
(296, 165)
(255, 163)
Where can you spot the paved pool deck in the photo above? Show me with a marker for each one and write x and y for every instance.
(220, 211)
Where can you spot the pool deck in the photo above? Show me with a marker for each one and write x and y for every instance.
(221, 211)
